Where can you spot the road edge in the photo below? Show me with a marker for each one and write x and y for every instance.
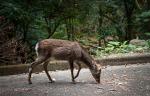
(123, 60)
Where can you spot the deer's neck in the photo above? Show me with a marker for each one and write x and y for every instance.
(88, 60)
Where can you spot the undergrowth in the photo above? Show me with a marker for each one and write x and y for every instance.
(115, 47)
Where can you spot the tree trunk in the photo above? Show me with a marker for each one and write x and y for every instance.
(129, 7)
(100, 22)
(148, 4)
(70, 29)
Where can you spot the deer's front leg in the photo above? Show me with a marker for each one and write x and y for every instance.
(72, 68)
(79, 68)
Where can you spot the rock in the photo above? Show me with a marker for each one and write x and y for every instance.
(138, 42)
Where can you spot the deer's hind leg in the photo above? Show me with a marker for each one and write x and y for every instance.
(38, 61)
(46, 71)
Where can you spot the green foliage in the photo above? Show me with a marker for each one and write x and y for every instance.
(148, 43)
(147, 33)
(145, 15)
(115, 47)
(143, 20)
(60, 33)
(34, 20)
(50, 15)
(107, 31)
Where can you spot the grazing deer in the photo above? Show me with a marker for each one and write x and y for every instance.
(63, 50)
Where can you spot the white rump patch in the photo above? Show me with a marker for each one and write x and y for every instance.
(36, 48)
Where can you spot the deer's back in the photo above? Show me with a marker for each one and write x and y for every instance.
(60, 49)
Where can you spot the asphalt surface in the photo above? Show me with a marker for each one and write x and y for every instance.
(130, 80)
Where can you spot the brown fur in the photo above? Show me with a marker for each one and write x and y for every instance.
(64, 50)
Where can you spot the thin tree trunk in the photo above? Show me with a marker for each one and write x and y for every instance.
(100, 21)
(129, 7)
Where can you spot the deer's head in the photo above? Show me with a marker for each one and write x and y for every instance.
(96, 72)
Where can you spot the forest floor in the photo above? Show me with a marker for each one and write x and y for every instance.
(123, 80)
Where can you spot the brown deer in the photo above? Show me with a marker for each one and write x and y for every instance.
(64, 50)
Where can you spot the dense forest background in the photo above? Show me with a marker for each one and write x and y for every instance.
(91, 22)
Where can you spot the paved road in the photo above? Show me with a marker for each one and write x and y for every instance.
(131, 80)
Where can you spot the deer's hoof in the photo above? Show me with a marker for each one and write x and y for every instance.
(30, 82)
(51, 81)
(73, 82)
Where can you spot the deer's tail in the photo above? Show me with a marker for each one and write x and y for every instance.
(36, 48)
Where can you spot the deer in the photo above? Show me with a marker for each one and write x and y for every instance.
(71, 51)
